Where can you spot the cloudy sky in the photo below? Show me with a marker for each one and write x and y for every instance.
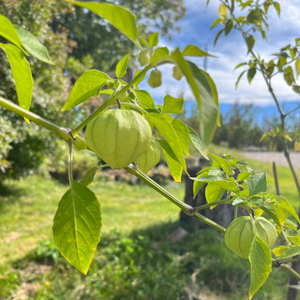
(230, 51)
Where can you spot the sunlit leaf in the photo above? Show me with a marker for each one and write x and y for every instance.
(33, 46)
(21, 73)
(88, 85)
(77, 225)
(121, 68)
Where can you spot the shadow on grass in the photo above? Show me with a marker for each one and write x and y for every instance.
(145, 265)
(9, 194)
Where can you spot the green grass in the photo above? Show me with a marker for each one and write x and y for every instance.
(135, 259)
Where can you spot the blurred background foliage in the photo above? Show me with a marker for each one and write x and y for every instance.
(77, 40)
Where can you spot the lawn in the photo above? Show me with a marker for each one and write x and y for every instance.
(135, 259)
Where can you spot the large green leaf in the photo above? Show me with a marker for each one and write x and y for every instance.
(88, 85)
(192, 50)
(118, 16)
(219, 181)
(145, 99)
(153, 39)
(183, 134)
(77, 225)
(8, 31)
(172, 105)
(205, 93)
(33, 46)
(121, 68)
(213, 193)
(167, 130)
(282, 203)
(261, 264)
(257, 183)
(289, 252)
(159, 53)
(195, 140)
(223, 163)
(21, 73)
(172, 161)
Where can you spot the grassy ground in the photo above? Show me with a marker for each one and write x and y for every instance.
(134, 260)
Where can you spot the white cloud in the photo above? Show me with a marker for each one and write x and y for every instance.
(231, 51)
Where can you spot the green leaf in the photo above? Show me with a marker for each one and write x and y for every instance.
(77, 225)
(153, 39)
(144, 42)
(220, 181)
(222, 12)
(239, 78)
(213, 193)
(257, 183)
(167, 130)
(223, 163)
(289, 75)
(244, 176)
(121, 68)
(277, 7)
(250, 42)
(195, 140)
(240, 65)
(215, 23)
(250, 75)
(8, 31)
(296, 89)
(145, 99)
(33, 46)
(88, 85)
(159, 53)
(21, 73)
(297, 66)
(289, 252)
(118, 16)
(277, 251)
(197, 187)
(107, 92)
(89, 176)
(192, 50)
(205, 93)
(237, 201)
(261, 264)
(228, 27)
(172, 105)
(218, 35)
(267, 210)
(183, 135)
(282, 203)
(172, 161)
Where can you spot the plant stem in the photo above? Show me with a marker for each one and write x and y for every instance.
(288, 269)
(134, 106)
(189, 210)
(212, 204)
(70, 162)
(60, 131)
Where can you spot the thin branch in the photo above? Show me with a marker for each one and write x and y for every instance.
(60, 131)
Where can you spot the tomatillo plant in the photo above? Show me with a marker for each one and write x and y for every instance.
(124, 138)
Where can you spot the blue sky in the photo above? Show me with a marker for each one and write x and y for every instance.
(230, 51)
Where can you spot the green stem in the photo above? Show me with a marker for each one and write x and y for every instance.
(134, 106)
(70, 162)
(288, 269)
(212, 204)
(60, 131)
(235, 212)
(189, 210)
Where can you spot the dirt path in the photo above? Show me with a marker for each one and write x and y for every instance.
(276, 157)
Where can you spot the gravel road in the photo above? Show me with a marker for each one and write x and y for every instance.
(276, 157)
